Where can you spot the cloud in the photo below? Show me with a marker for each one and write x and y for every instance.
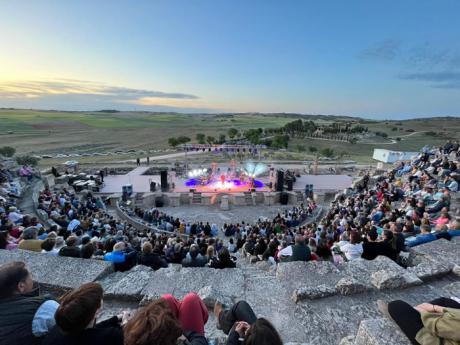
(442, 80)
(386, 50)
(79, 87)
(71, 94)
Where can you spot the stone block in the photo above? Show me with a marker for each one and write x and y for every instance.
(350, 286)
(264, 265)
(452, 290)
(211, 295)
(380, 332)
(425, 268)
(59, 273)
(313, 292)
(127, 285)
(387, 279)
(441, 251)
(224, 204)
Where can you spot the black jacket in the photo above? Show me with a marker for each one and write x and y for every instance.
(107, 332)
(152, 260)
(373, 249)
(16, 315)
(73, 252)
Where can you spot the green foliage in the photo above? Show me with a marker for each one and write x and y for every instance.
(7, 151)
(222, 138)
(327, 152)
(173, 142)
(232, 132)
(210, 140)
(394, 129)
(312, 149)
(201, 138)
(27, 160)
(431, 133)
(183, 139)
(381, 134)
(300, 148)
(280, 141)
(398, 139)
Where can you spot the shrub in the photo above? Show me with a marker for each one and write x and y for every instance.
(27, 160)
(7, 151)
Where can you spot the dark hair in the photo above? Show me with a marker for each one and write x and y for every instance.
(48, 244)
(11, 275)
(78, 307)
(224, 255)
(354, 237)
(153, 324)
(373, 234)
(87, 251)
(262, 332)
(3, 239)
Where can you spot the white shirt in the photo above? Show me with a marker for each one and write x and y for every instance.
(352, 251)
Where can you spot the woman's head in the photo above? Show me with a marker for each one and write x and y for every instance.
(224, 254)
(147, 248)
(153, 324)
(210, 252)
(79, 307)
(262, 332)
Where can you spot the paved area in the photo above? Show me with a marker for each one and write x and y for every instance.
(214, 215)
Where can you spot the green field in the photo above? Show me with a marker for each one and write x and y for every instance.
(48, 132)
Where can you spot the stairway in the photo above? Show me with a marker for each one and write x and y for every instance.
(139, 200)
(248, 198)
(196, 199)
(299, 195)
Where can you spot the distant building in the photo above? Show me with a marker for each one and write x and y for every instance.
(388, 156)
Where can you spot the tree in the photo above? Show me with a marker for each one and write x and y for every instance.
(210, 140)
(183, 139)
(312, 149)
(200, 137)
(173, 142)
(280, 141)
(232, 132)
(300, 148)
(27, 160)
(7, 151)
(222, 138)
(327, 152)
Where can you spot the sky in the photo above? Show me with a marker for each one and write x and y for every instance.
(374, 59)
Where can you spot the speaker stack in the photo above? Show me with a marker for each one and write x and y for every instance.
(280, 181)
(164, 180)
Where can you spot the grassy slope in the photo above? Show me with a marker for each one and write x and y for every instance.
(52, 131)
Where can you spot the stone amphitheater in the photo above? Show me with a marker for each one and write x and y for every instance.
(308, 302)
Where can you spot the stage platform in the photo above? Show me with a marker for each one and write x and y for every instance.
(141, 183)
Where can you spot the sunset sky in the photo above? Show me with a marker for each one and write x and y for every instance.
(375, 59)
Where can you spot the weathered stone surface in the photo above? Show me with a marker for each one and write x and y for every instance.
(58, 272)
(350, 285)
(264, 265)
(313, 292)
(210, 296)
(380, 332)
(441, 251)
(180, 281)
(348, 340)
(456, 270)
(128, 285)
(452, 290)
(253, 259)
(387, 279)
(425, 268)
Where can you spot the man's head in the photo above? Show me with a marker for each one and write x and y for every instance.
(372, 235)
(119, 247)
(30, 233)
(194, 250)
(15, 279)
(425, 229)
(299, 240)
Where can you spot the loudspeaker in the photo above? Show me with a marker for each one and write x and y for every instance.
(159, 202)
(284, 198)
(164, 180)
(280, 181)
(290, 184)
(153, 186)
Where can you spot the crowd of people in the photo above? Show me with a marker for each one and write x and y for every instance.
(27, 317)
(382, 215)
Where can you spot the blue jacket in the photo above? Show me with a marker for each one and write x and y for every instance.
(420, 239)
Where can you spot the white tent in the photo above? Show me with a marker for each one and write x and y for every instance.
(388, 156)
